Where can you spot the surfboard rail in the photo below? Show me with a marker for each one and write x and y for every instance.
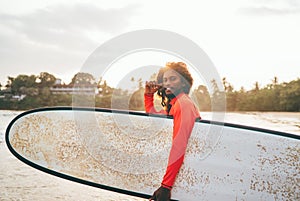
(106, 110)
(133, 113)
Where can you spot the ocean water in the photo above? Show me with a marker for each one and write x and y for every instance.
(21, 182)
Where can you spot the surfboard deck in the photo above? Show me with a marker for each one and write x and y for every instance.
(127, 152)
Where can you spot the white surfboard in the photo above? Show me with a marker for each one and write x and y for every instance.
(127, 152)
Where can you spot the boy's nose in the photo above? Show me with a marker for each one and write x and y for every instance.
(166, 83)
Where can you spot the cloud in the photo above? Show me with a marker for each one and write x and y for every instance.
(67, 25)
(272, 7)
(57, 38)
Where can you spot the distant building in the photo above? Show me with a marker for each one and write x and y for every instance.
(10, 97)
(59, 88)
(58, 82)
(18, 98)
(92, 90)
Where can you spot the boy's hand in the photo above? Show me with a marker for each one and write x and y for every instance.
(161, 194)
(151, 87)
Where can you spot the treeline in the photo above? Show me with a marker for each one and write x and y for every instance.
(272, 97)
(32, 91)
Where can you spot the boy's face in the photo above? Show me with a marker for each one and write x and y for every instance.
(172, 82)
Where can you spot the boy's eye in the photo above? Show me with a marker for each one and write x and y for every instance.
(172, 78)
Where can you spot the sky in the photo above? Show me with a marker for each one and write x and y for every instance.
(248, 41)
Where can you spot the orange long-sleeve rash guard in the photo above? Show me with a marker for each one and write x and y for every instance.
(184, 115)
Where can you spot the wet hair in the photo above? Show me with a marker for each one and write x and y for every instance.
(186, 78)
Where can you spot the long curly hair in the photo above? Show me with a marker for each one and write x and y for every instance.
(186, 78)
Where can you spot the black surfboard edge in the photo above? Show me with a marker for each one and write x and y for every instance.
(106, 110)
(109, 188)
(59, 174)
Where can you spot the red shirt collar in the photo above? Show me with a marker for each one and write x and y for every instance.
(177, 97)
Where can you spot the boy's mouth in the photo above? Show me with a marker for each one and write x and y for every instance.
(168, 90)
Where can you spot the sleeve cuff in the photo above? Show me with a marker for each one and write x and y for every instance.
(166, 186)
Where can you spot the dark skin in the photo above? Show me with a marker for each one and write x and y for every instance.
(161, 194)
(151, 87)
(171, 82)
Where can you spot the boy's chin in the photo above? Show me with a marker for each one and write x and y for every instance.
(170, 95)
